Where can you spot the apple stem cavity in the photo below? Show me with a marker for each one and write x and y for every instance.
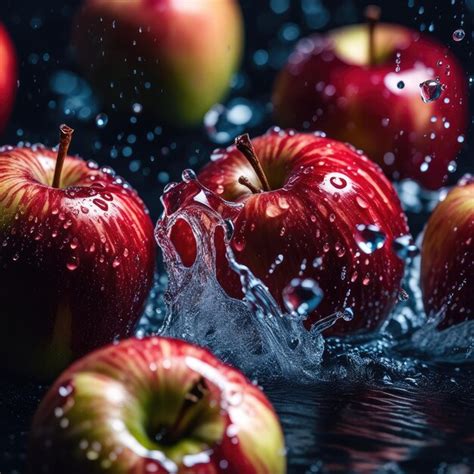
(244, 145)
(244, 181)
(372, 15)
(65, 138)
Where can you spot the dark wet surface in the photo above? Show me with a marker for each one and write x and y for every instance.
(329, 426)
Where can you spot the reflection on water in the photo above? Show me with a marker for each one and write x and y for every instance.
(332, 427)
(347, 427)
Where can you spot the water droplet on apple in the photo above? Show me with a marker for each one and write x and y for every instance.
(101, 204)
(430, 90)
(116, 262)
(369, 238)
(361, 202)
(73, 264)
(400, 84)
(459, 34)
(302, 296)
(338, 182)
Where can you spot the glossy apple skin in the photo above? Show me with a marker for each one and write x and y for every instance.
(185, 51)
(322, 88)
(8, 76)
(76, 263)
(322, 190)
(447, 257)
(112, 402)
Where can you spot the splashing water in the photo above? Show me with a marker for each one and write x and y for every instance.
(255, 335)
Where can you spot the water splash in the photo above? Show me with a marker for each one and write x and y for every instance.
(255, 335)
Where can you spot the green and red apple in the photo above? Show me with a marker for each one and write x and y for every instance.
(174, 57)
(375, 95)
(76, 258)
(155, 406)
(447, 257)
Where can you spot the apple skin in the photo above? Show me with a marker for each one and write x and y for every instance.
(8, 76)
(447, 257)
(321, 190)
(76, 263)
(103, 415)
(185, 51)
(328, 85)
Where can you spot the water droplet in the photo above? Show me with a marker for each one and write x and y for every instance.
(302, 296)
(102, 120)
(73, 264)
(400, 84)
(137, 108)
(348, 314)
(459, 34)
(430, 90)
(101, 204)
(403, 295)
(338, 182)
(188, 175)
(369, 238)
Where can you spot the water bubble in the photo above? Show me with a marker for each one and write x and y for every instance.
(137, 108)
(102, 120)
(459, 34)
(302, 296)
(369, 238)
(400, 84)
(430, 90)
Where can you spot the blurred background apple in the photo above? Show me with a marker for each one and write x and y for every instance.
(8, 76)
(175, 58)
(375, 99)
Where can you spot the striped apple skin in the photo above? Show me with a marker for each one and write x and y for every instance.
(76, 262)
(101, 413)
(447, 257)
(305, 227)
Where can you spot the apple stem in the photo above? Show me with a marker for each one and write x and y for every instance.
(372, 15)
(65, 138)
(244, 181)
(244, 145)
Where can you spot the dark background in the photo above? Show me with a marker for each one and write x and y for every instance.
(362, 427)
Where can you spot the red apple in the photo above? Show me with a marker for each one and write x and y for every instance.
(8, 76)
(155, 406)
(175, 57)
(76, 258)
(447, 257)
(333, 83)
(319, 211)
